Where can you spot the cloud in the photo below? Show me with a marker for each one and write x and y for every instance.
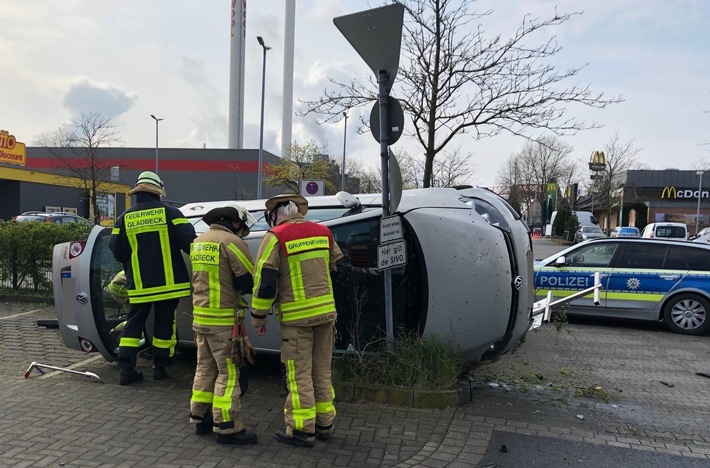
(106, 99)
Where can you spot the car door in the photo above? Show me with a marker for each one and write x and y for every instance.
(577, 274)
(643, 274)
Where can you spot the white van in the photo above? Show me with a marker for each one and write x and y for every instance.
(585, 218)
(677, 231)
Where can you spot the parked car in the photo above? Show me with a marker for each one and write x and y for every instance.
(644, 279)
(666, 230)
(467, 276)
(54, 217)
(588, 232)
(704, 232)
(625, 231)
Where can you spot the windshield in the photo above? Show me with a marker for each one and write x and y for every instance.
(592, 229)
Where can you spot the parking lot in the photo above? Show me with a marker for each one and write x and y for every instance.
(587, 393)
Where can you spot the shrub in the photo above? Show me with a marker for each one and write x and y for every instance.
(414, 362)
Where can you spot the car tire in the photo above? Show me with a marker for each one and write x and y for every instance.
(688, 314)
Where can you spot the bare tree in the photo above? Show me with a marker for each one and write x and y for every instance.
(452, 169)
(455, 79)
(527, 173)
(302, 162)
(620, 157)
(76, 149)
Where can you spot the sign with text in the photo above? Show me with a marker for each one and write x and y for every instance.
(390, 229)
(11, 150)
(392, 255)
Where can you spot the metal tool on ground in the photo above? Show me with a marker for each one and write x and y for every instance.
(40, 367)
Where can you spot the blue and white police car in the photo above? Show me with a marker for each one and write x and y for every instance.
(643, 279)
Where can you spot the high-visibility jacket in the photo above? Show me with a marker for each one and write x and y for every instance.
(221, 273)
(147, 240)
(293, 271)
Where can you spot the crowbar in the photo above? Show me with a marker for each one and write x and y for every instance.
(38, 366)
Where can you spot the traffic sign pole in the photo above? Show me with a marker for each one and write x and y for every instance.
(384, 156)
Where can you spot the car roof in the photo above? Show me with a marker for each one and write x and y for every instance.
(411, 199)
(626, 240)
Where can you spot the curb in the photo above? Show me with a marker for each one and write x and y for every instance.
(402, 396)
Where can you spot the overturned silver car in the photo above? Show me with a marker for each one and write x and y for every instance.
(467, 277)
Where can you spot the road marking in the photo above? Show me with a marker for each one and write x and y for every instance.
(21, 314)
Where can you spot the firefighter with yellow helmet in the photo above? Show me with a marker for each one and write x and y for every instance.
(292, 274)
(221, 273)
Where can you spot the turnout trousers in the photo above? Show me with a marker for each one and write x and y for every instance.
(216, 384)
(306, 355)
(164, 334)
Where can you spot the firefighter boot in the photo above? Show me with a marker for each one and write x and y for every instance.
(297, 438)
(159, 373)
(242, 437)
(205, 425)
(129, 376)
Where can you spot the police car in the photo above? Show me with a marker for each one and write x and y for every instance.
(644, 279)
(461, 271)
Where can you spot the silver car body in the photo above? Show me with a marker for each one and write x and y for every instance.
(468, 278)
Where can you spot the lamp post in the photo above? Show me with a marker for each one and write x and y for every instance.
(156, 141)
(345, 136)
(261, 129)
(621, 209)
(700, 194)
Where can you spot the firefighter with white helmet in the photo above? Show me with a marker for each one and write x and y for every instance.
(221, 274)
(292, 274)
(147, 240)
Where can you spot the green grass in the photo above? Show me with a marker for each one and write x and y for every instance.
(414, 362)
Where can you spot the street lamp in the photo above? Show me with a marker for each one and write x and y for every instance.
(345, 136)
(700, 194)
(156, 141)
(261, 129)
(621, 209)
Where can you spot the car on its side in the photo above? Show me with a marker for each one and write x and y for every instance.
(643, 279)
(59, 217)
(462, 272)
(585, 233)
(666, 230)
(625, 231)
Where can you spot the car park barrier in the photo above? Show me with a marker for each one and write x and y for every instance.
(542, 309)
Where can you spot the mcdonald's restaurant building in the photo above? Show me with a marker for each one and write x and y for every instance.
(33, 178)
(648, 196)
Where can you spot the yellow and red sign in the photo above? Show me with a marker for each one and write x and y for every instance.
(11, 150)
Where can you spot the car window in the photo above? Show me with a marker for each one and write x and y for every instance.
(643, 256)
(698, 259)
(670, 231)
(595, 255)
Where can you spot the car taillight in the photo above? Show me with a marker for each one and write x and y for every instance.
(76, 248)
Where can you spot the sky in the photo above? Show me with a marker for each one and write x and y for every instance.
(170, 58)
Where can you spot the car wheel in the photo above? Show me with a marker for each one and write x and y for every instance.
(687, 314)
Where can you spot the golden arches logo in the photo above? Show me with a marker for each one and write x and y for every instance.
(669, 192)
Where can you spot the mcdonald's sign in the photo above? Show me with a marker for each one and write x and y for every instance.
(673, 193)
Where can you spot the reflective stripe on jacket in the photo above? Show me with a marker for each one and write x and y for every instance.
(293, 270)
(147, 241)
(221, 266)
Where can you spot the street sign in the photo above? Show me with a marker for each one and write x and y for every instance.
(395, 120)
(392, 255)
(390, 229)
(376, 35)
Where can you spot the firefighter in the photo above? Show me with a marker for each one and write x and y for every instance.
(221, 274)
(147, 240)
(292, 274)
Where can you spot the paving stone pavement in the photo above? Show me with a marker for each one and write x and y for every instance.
(609, 375)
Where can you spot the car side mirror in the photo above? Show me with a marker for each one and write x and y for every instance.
(560, 261)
